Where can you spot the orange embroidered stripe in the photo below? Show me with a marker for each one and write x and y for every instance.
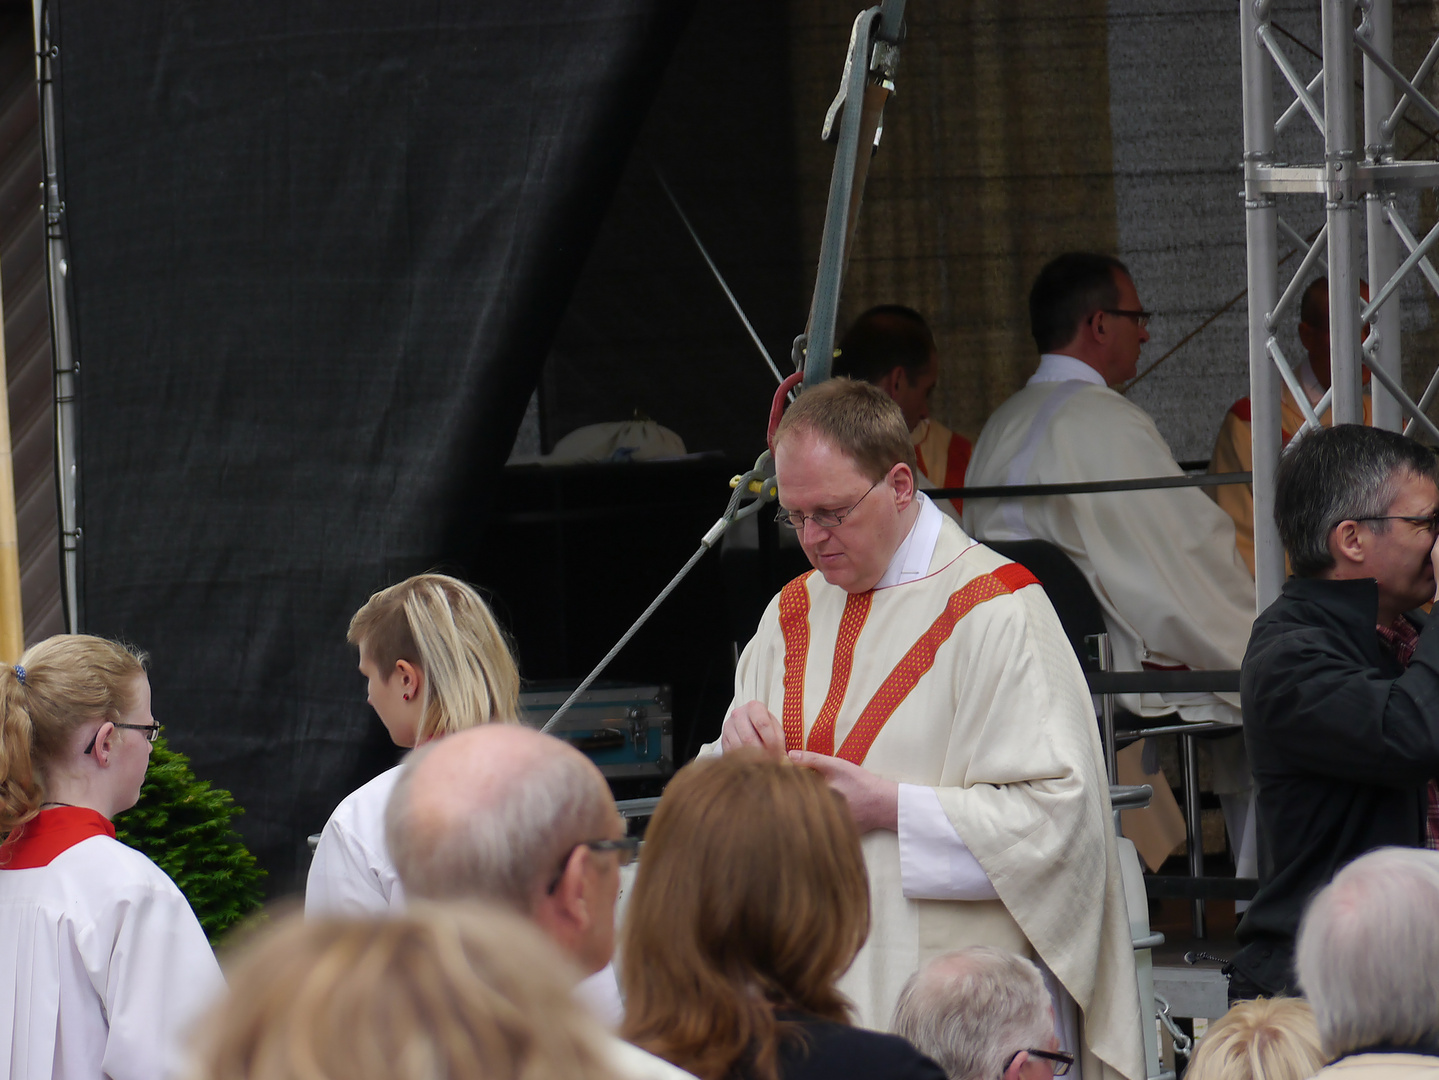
(794, 626)
(906, 674)
(856, 611)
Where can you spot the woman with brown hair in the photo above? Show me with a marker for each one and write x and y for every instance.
(750, 902)
(436, 662)
(440, 990)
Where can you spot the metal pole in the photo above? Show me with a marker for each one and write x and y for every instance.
(67, 475)
(1383, 243)
(1194, 824)
(1262, 243)
(1342, 210)
(833, 254)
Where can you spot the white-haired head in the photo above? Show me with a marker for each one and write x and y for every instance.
(1368, 952)
(973, 1009)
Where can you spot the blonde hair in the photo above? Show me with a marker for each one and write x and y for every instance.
(751, 896)
(860, 419)
(69, 680)
(441, 625)
(454, 990)
(1265, 1039)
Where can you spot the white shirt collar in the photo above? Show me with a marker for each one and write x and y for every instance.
(912, 560)
(1056, 367)
(1310, 381)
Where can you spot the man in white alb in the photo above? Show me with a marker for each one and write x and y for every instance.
(928, 679)
(1162, 563)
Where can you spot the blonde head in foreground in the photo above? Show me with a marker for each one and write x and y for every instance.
(1266, 1039)
(442, 990)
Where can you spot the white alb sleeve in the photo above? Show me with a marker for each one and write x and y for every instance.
(934, 863)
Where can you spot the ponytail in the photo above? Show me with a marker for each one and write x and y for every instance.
(19, 791)
(443, 626)
(68, 681)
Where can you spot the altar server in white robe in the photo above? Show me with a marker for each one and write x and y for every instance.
(928, 679)
(1163, 563)
(436, 662)
(103, 965)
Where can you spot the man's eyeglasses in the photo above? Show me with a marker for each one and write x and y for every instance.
(1141, 320)
(152, 732)
(1058, 1060)
(825, 519)
(627, 848)
(1429, 522)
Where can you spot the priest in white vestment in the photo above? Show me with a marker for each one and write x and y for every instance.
(930, 681)
(1162, 563)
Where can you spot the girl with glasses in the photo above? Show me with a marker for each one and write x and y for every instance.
(102, 962)
(436, 662)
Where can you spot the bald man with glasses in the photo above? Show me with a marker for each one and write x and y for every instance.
(1341, 681)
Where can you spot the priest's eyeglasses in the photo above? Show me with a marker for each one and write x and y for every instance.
(1141, 320)
(152, 732)
(1058, 1060)
(627, 848)
(825, 519)
(1429, 523)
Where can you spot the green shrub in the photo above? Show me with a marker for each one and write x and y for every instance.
(184, 825)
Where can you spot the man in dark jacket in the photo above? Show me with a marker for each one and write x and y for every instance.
(1340, 685)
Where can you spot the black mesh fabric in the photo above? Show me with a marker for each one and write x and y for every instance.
(318, 251)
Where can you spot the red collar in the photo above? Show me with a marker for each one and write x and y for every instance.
(40, 839)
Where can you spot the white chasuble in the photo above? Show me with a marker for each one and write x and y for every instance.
(962, 681)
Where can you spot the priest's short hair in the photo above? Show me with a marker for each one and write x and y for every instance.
(858, 418)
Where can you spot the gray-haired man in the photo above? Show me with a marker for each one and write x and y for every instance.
(1369, 962)
(1340, 684)
(982, 1013)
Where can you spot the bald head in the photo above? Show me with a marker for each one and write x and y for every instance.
(491, 812)
(1368, 952)
(973, 1009)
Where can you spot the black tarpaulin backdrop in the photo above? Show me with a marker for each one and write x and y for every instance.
(318, 252)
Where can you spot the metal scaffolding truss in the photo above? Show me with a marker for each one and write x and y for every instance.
(1356, 176)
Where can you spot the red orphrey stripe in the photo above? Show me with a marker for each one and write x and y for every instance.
(794, 624)
(856, 611)
(42, 838)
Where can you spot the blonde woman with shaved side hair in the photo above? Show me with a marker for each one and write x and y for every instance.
(1263, 1039)
(437, 662)
(102, 963)
(462, 992)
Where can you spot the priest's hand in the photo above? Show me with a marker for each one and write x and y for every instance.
(873, 800)
(752, 724)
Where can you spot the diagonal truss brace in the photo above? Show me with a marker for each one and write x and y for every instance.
(1295, 237)
(1286, 372)
(1295, 105)
(1415, 256)
(1382, 63)
(1301, 92)
(1419, 76)
(1402, 230)
(1296, 283)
